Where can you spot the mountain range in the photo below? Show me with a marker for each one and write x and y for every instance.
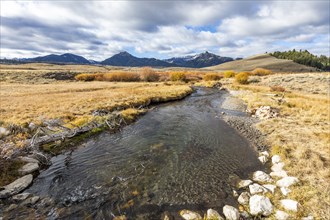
(126, 59)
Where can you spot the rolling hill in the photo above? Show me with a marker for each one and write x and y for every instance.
(64, 58)
(263, 61)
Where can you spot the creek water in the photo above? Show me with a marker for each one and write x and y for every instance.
(181, 155)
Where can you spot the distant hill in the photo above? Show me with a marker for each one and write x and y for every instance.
(263, 61)
(64, 58)
(200, 60)
(126, 59)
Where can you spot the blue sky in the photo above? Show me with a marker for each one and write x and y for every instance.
(162, 29)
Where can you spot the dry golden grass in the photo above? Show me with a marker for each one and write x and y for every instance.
(69, 100)
(301, 136)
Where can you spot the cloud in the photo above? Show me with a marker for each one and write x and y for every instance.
(99, 29)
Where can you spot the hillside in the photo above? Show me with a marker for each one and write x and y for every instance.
(263, 61)
(64, 58)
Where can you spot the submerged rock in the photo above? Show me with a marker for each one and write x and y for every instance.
(213, 215)
(31, 201)
(190, 215)
(260, 176)
(230, 212)
(287, 181)
(260, 205)
(28, 168)
(290, 205)
(20, 197)
(16, 186)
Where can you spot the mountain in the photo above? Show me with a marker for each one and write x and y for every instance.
(64, 58)
(200, 60)
(263, 61)
(126, 59)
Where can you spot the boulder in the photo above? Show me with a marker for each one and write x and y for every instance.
(277, 167)
(280, 174)
(211, 214)
(309, 217)
(280, 215)
(190, 215)
(287, 181)
(31, 201)
(260, 205)
(244, 198)
(28, 168)
(264, 153)
(290, 205)
(244, 183)
(256, 188)
(16, 186)
(263, 159)
(230, 212)
(276, 159)
(271, 188)
(260, 176)
(28, 159)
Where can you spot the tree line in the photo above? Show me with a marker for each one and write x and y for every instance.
(304, 57)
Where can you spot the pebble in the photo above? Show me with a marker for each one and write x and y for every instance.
(260, 205)
(244, 183)
(256, 188)
(211, 214)
(243, 199)
(190, 215)
(280, 174)
(287, 181)
(263, 159)
(271, 188)
(277, 167)
(285, 191)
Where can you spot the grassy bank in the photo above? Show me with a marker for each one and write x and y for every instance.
(301, 136)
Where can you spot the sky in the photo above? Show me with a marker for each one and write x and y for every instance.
(162, 29)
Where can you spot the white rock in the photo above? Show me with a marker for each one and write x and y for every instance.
(309, 217)
(230, 212)
(28, 168)
(244, 198)
(211, 214)
(256, 188)
(263, 159)
(260, 176)
(271, 188)
(3, 132)
(280, 215)
(276, 159)
(31, 201)
(287, 181)
(245, 215)
(264, 153)
(235, 193)
(281, 173)
(290, 205)
(277, 167)
(16, 186)
(244, 183)
(190, 215)
(285, 191)
(260, 205)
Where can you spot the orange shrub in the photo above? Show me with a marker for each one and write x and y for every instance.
(211, 77)
(242, 78)
(261, 72)
(229, 74)
(85, 77)
(149, 75)
(121, 77)
(178, 76)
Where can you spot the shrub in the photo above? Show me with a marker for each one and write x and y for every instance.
(277, 89)
(149, 75)
(178, 76)
(229, 74)
(85, 77)
(121, 77)
(242, 78)
(211, 77)
(261, 72)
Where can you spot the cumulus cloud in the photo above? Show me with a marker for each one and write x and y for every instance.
(99, 29)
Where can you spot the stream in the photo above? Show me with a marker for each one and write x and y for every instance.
(181, 155)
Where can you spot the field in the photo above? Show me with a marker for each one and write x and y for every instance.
(301, 134)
